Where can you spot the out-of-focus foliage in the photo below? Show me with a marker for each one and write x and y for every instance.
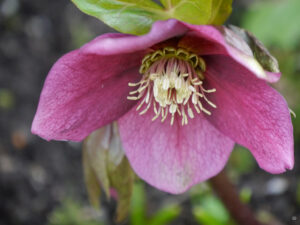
(298, 193)
(241, 161)
(211, 212)
(7, 99)
(245, 195)
(138, 216)
(275, 22)
(207, 208)
(72, 213)
(137, 17)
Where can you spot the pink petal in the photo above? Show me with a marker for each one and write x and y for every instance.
(123, 43)
(251, 113)
(173, 158)
(211, 40)
(84, 92)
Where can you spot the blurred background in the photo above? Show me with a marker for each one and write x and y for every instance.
(42, 182)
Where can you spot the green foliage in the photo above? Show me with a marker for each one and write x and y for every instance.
(137, 16)
(7, 99)
(107, 167)
(138, 216)
(138, 204)
(191, 11)
(127, 16)
(121, 180)
(275, 22)
(207, 208)
(80, 33)
(245, 195)
(198, 11)
(71, 213)
(298, 193)
(241, 160)
(91, 181)
(165, 215)
(210, 211)
(220, 11)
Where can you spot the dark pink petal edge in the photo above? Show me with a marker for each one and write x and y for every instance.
(251, 113)
(84, 92)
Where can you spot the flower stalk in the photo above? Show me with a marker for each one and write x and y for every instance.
(227, 192)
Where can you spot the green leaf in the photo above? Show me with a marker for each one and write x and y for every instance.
(199, 11)
(91, 182)
(221, 9)
(122, 179)
(165, 215)
(210, 211)
(95, 156)
(138, 201)
(127, 16)
(137, 16)
(190, 11)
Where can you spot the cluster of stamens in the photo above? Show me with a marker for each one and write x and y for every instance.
(172, 84)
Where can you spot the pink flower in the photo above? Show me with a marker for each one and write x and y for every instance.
(203, 82)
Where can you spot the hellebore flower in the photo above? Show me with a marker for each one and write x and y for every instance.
(182, 94)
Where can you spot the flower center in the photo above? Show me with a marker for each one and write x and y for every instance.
(172, 84)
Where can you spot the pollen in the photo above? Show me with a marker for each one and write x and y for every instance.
(172, 84)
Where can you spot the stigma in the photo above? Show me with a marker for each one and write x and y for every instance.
(172, 84)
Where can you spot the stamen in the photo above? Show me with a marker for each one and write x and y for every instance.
(172, 119)
(147, 96)
(165, 116)
(209, 91)
(172, 81)
(142, 88)
(141, 104)
(184, 120)
(132, 98)
(157, 114)
(133, 84)
(154, 107)
(203, 109)
(146, 109)
(197, 109)
(190, 112)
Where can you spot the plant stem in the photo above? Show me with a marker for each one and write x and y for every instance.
(240, 212)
